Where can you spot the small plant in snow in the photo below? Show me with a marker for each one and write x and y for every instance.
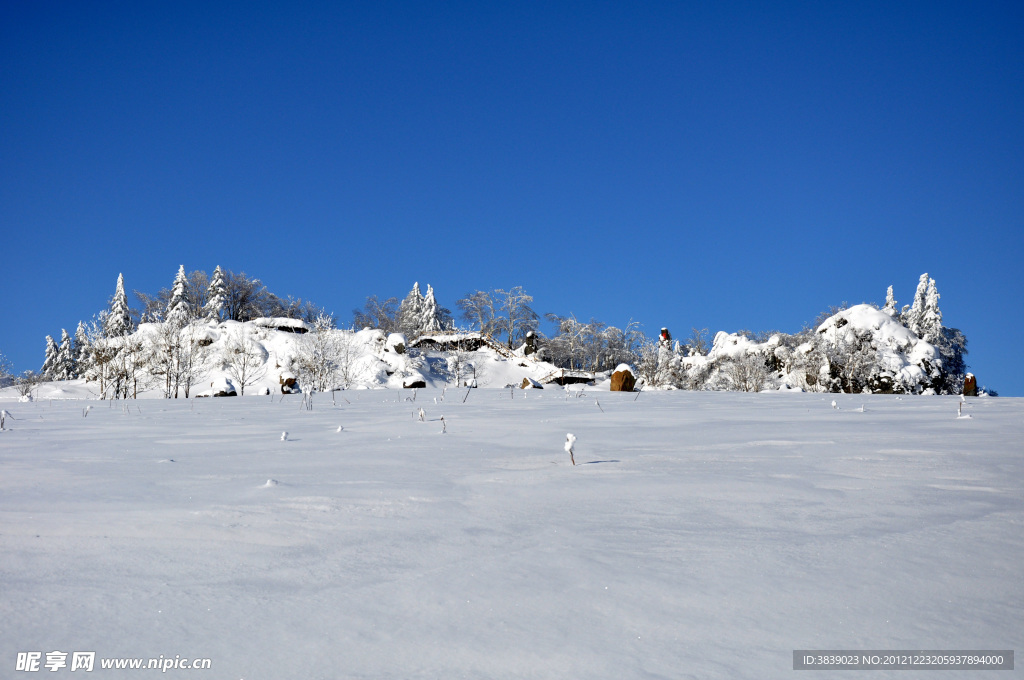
(570, 440)
(284, 436)
(423, 416)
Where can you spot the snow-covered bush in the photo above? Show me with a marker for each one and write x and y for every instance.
(244, 360)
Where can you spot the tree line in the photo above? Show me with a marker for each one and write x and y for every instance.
(508, 316)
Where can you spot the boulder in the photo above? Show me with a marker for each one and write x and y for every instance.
(223, 388)
(396, 343)
(623, 380)
(531, 344)
(288, 382)
(531, 384)
(970, 385)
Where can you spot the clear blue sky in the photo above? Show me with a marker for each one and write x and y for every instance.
(721, 165)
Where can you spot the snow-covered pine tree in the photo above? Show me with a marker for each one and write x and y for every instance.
(80, 353)
(179, 312)
(434, 317)
(50, 359)
(118, 320)
(217, 296)
(64, 368)
(410, 312)
(890, 303)
(924, 317)
(931, 317)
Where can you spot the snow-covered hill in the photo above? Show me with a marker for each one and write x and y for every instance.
(859, 349)
(275, 356)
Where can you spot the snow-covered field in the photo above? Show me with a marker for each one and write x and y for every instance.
(700, 535)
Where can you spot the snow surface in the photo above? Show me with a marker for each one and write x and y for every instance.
(700, 535)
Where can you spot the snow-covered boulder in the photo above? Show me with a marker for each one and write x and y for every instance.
(396, 343)
(282, 324)
(623, 379)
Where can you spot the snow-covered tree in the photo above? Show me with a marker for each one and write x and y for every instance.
(923, 317)
(80, 353)
(98, 352)
(27, 382)
(49, 368)
(64, 368)
(179, 311)
(216, 296)
(434, 317)
(419, 314)
(410, 312)
(244, 361)
(890, 303)
(320, 356)
(478, 309)
(931, 318)
(519, 317)
(6, 375)
(118, 321)
(747, 373)
(129, 371)
(377, 313)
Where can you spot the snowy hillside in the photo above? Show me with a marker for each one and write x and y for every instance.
(700, 535)
(226, 335)
(280, 355)
(859, 349)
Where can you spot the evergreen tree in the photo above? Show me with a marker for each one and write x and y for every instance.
(217, 296)
(890, 303)
(410, 312)
(50, 360)
(434, 318)
(118, 321)
(179, 311)
(912, 315)
(64, 368)
(931, 317)
(80, 354)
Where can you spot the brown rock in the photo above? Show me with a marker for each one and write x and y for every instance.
(970, 386)
(623, 381)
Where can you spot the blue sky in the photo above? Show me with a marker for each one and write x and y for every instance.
(721, 165)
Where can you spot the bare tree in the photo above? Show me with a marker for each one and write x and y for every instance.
(245, 361)
(519, 317)
(196, 287)
(348, 350)
(478, 309)
(649, 364)
(461, 364)
(193, 356)
(246, 297)
(165, 355)
(318, 360)
(697, 343)
(130, 368)
(747, 373)
(99, 353)
(27, 382)
(377, 314)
